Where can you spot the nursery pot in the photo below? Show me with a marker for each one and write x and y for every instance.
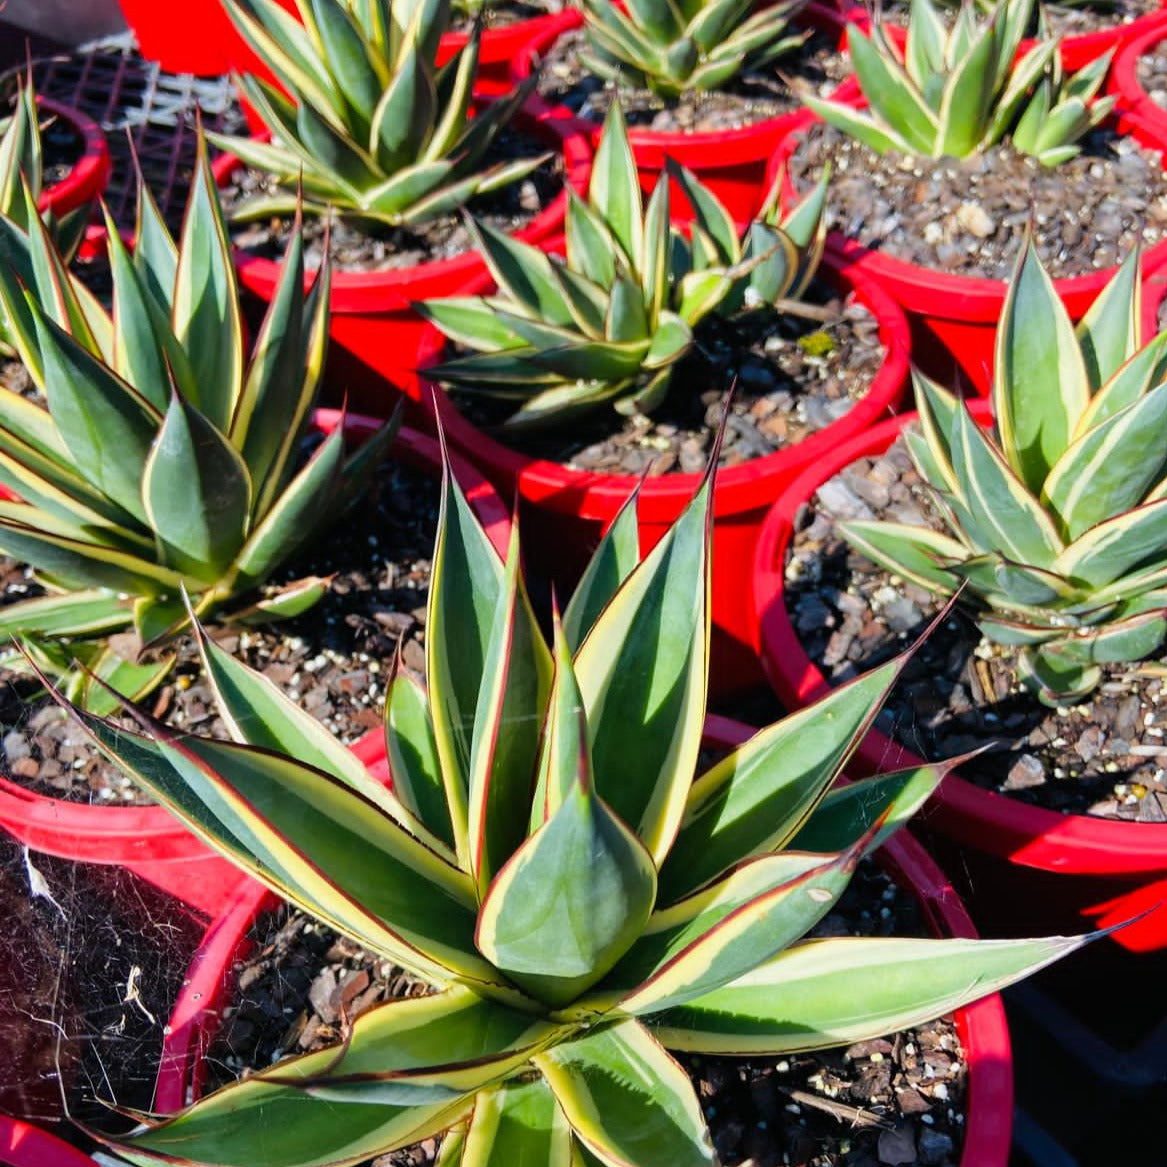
(981, 1027)
(148, 840)
(1024, 869)
(204, 41)
(373, 327)
(731, 163)
(1138, 112)
(25, 1145)
(89, 174)
(566, 511)
(954, 318)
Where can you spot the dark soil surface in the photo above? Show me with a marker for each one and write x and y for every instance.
(894, 1100)
(331, 660)
(795, 375)
(1104, 756)
(510, 209)
(1151, 71)
(969, 217)
(748, 99)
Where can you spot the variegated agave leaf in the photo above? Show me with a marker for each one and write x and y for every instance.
(606, 325)
(960, 90)
(362, 117)
(546, 859)
(671, 46)
(1058, 522)
(774, 260)
(21, 181)
(168, 460)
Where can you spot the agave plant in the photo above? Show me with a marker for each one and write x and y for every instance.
(22, 177)
(362, 117)
(670, 46)
(959, 91)
(1055, 525)
(776, 258)
(547, 861)
(610, 323)
(164, 460)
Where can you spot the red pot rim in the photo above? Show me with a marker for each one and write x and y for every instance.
(1029, 836)
(25, 1145)
(982, 1028)
(719, 148)
(1124, 78)
(598, 496)
(119, 834)
(377, 291)
(87, 179)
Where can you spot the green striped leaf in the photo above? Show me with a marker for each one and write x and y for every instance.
(197, 492)
(465, 585)
(1040, 381)
(106, 424)
(89, 612)
(516, 676)
(1110, 469)
(206, 300)
(627, 1101)
(517, 1124)
(1109, 332)
(643, 671)
(609, 566)
(1117, 546)
(758, 797)
(1006, 514)
(916, 553)
(343, 1107)
(614, 189)
(413, 754)
(1131, 382)
(849, 812)
(572, 898)
(892, 95)
(842, 990)
(761, 908)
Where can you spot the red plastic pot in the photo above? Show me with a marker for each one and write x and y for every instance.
(1023, 869)
(1139, 113)
(148, 840)
(373, 326)
(87, 179)
(565, 512)
(24, 1145)
(204, 41)
(981, 1027)
(732, 163)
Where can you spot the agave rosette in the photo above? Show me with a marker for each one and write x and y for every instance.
(545, 858)
(1057, 524)
(164, 460)
(609, 323)
(957, 91)
(670, 46)
(362, 118)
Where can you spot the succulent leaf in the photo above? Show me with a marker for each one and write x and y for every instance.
(1055, 522)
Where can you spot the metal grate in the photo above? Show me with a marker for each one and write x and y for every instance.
(135, 102)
